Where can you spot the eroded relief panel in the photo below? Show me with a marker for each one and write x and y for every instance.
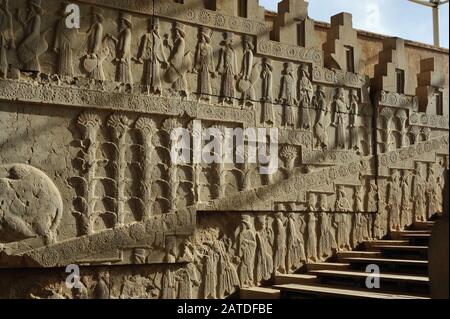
(86, 169)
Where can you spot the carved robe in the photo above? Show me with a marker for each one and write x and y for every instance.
(406, 218)
(312, 237)
(228, 277)
(340, 122)
(95, 47)
(210, 275)
(179, 64)
(354, 129)
(246, 251)
(64, 38)
(295, 249)
(124, 74)
(33, 45)
(306, 93)
(327, 240)
(6, 39)
(264, 263)
(287, 96)
(280, 244)
(267, 98)
(248, 94)
(205, 66)
(322, 123)
(153, 55)
(343, 229)
(228, 69)
(420, 201)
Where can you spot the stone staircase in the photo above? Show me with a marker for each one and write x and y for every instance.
(402, 260)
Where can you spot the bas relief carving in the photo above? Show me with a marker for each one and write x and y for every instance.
(105, 99)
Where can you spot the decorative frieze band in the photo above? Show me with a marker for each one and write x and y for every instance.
(331, 157)
(396, 100)
(339, 77)
(426, 120)
(138, 6)
(289, 52)
(77, 97)
(209, 18)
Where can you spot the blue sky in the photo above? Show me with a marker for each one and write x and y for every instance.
(390, 17)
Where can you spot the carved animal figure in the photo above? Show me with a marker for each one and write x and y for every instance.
(30, 204)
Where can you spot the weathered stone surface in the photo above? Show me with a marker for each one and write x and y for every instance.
(87, 116)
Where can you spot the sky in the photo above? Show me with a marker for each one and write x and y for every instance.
(399, 18)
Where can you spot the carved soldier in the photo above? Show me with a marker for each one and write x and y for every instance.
(7, 39)
(342, 203)
(341, 109)
(359, 199)
(280, 244)
(247, 78)
(267, 97)
(358, 229)
(312, 237)
(227, 67)
(433, 188)
(295, 245)
(287, 94)
(320, 104)
(327, 240)
(419, 191)
(406, 199)
(210, 274)
(34, 44)
(394, 199)
(123, 47)
(228, 277)
(64, 44)
(246, 249)
(179, 62)
(264, 236)
(93, 62)
(152, 55)
(372, 197)
(204, 64)
(354, 128)
(306, 93)
(101, 290)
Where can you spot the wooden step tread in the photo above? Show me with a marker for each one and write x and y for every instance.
(408, 262)
(328, 291)
(259, 293)
(363, 275)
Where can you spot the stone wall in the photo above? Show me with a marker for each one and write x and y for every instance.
(86, 176)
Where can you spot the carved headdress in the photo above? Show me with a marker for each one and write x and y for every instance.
(180, 28)
(36, 4)
(127, 18)
(98, 12)
(206, 33)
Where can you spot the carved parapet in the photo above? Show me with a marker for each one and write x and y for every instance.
(431, 92)
(290, 52)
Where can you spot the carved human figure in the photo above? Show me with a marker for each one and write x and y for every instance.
(247, 76)
(7, 38)
(406, 213)
(342, 224)
(306, 92)
(228, 278)
(188, 279)
(288, 93)
(267, 95)
(311, 245)
(204, 64)
(34, 44)
(419, 191)
(359, 198)
(394, 200)
(327, 240)
(152, 56)
(246, 249)
(372, 197)
(179, 61)
(354, 127)
(280, 244)
(323, 202)
(264, 237)
(210, 261)
(227, 67)
(322, 108)
(342, 203)
(93, 62)
(64, 44)
(168, 282)
(123, 48)
(295, 247)
(433, 190)
(340, 117)
(102, 289)
(358, 228)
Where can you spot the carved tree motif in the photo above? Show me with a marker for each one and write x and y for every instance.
(119, 125)
(289, 154)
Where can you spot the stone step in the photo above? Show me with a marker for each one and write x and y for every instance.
(327, 266)
(259, 293)
(405, 252)
(387, 261)
(374, 243)
(346, 254)
(362, 276)
(282, 279)
(421, 249)
(337, 292)
(423, 225)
